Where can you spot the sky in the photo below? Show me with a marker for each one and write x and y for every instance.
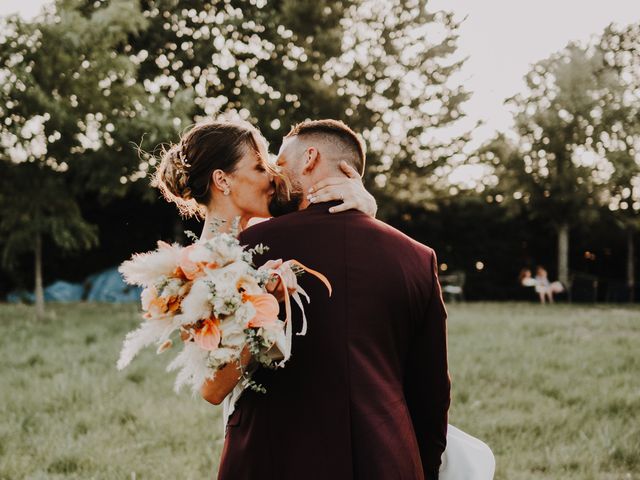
(501, 38)
(27, 8)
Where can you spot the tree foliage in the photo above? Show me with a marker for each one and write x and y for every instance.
(382, 67)
(576, 151)
(70, 106)
(578, 134)
(620, 50)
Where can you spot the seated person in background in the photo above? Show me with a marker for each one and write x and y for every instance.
(525, 278)
(545, 289)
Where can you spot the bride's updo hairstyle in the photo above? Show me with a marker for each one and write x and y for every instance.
(185, 172)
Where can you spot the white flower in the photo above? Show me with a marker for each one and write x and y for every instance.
(226, 304)
(225, 249)
(273, 332)
(196, 305)
(232, 272)
(245, 312)
(172, 287)
(198, 252)
(223, 355)
(232, 333)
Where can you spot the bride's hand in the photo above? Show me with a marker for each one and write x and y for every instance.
(274, 285)
(215, 389)
(349, 189)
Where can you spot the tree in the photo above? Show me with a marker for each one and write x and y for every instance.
(118, 70)
(385, 68)
(70, 106)
(563, 164)
(620, 50)
(396, 74)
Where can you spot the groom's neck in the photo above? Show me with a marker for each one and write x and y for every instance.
(308, 181)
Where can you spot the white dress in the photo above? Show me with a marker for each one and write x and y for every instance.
(466, 458)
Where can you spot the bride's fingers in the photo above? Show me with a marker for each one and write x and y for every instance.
(328, 182)
(337, 192)
(348, 170)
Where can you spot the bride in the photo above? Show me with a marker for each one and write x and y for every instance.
(220, 171)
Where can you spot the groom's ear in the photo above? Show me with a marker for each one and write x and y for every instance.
(311, 159)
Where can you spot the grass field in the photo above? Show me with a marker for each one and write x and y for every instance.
(555, 391)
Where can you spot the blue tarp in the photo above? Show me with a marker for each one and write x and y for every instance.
(105, 286)
(59, 291)
(21, 296)
(108, 286)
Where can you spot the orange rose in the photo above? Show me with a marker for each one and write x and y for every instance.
(162, 305)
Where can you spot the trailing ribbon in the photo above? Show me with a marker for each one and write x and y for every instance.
(296, 297)
(318, 275)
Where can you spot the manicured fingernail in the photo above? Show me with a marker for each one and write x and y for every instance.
(331, 210)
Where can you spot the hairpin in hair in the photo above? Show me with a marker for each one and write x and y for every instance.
(183, 158)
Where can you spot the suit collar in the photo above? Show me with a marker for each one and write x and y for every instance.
(322, 205)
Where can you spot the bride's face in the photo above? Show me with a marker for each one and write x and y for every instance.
(251, 183)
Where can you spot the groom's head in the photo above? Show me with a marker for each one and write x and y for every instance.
(311, 151)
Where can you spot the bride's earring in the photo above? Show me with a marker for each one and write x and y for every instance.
(221, 182)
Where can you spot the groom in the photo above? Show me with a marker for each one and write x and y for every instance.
(366, 392)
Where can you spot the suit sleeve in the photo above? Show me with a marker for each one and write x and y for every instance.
(427, 385)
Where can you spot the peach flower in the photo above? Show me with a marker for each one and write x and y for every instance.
(189, 268)
(208, 336)
(267, 309)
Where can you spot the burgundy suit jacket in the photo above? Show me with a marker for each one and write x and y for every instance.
(366, 392)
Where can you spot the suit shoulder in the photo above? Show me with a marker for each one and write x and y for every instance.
(259, 231)
(254, 233)
(400, 237)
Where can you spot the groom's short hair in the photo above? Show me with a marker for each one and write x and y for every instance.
(339, 134)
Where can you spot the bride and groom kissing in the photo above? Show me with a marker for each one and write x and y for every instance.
(366, 392)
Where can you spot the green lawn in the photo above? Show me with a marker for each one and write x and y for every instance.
(554, 390)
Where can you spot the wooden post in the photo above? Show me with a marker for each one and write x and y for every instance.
(39, 290)
(563, 254)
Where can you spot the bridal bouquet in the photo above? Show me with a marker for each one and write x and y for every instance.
(210, 296)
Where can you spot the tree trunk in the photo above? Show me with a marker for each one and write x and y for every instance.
(563, 254)
(631, 274)
(39, 291)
